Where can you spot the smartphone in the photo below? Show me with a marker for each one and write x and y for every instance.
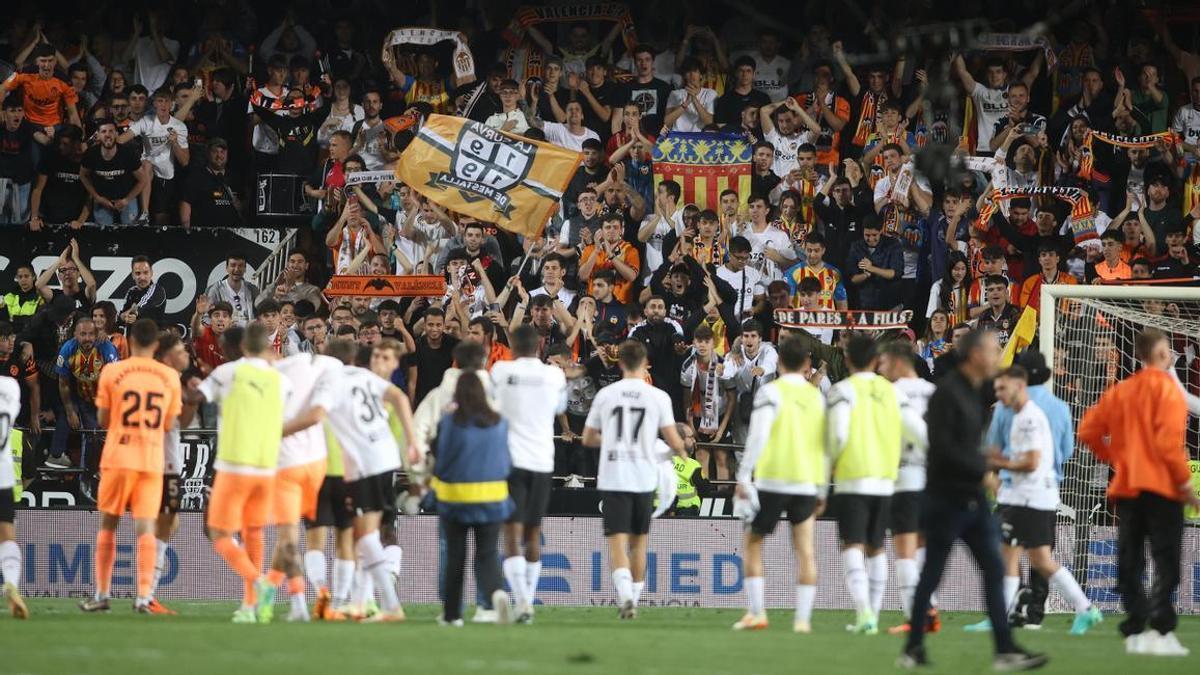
(199, 83)
(494, 307)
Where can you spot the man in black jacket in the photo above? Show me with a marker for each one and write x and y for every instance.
(955, 499)
(1048, 225)
(665, 348)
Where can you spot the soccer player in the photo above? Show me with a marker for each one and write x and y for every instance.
(333, 510)
(252, 396)
(174, 354)
(785, 454)
(137, 401)
(624, 422)
(1028, 498)
(354, 400)
(864, 435)
(1138, 427)
(897, 364)
(298, 482)
(531, 395)
(10, 552)
(955, 499)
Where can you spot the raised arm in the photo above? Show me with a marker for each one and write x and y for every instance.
(960, 71)
(839, 55)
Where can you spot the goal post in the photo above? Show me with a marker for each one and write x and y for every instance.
(1087, 335)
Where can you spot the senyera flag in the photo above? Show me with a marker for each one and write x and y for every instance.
(471, 168)
(705, 164)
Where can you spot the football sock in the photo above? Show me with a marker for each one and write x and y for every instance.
(533, 572)
(236, 557)
(275, 577)
(160, 565)
(395, 557)
(1011, 586)
(10, 562)
(920, 558)
(906, 577)
(1065, 582)
(252, 539)
(314, 568)
(877, 575)
(754, 595)
(370, 552)
(623, 583)
(146, 556)
(343, 581)
(106, 553)
(638, 587)
(514, 573)
(855, 573)
(806, 595)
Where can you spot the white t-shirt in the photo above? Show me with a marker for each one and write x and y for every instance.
(913, 393)
(217, 384)
(771, 77)
(772, 237)
(374, 138)
(498, 120)
(156, 148)
(531, 394)
(1037, 489)
(747, 284)
(149, 70)
(690, 119)
(303, 371)
(1186, 123)
(353, 398)
(786, 148)
(990, 105)
(559, 135)
(565, 295)
(629, 415)
(10, 407)
(654, 245)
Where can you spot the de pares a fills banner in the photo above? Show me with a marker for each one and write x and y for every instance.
(499, 178)
(853, 320)
(705, 164)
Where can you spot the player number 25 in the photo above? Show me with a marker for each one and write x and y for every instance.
(150, 405)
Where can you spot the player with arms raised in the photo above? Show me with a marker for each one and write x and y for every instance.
(137, 401)
(625, 421)
(525, 388)
(785, 453)
(354, 399)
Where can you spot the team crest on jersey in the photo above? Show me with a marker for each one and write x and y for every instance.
(484, 164)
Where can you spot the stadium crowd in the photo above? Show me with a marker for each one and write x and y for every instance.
(874, 184)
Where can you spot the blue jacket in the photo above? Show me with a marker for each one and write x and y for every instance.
(470, 472)
(1059, 416)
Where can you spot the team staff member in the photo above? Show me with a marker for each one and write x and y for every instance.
(785, 454)
(956, 501)
(1139, 428)
(137, 401)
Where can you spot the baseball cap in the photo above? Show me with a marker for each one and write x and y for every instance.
(1034, 364)
(217, 142)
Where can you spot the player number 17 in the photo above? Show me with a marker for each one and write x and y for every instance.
(638, 415)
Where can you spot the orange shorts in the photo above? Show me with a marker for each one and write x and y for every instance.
(296, 490)
(139, 491)
(240, 500)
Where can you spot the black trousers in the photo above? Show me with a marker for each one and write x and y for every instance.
(487, 563)
(946, 519)
(1159, 520)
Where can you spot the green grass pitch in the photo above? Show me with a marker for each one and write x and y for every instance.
(669, 641)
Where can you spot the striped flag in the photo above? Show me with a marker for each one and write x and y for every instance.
(705, 164)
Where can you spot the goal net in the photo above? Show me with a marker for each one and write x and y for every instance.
(1087, 335)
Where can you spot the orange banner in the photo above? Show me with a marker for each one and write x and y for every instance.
(415, 286)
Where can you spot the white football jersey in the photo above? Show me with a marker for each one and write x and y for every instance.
(353, 398)
(172, 451)
(1037, 489)
(303, 371)
(629, 415)
(10, 407)
(531, 394)
(913, 394)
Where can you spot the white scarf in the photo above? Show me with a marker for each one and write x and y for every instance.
(464, 63)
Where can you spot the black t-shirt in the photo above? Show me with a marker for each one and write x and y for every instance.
(63, 196)
(16, 153)
(432, 364)
(19, 369)
(211, 200)
(651, 98)
(607, 94)
(603, 375)
(730, 105)
(112, 178)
